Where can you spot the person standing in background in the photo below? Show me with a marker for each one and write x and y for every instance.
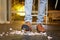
(40, 17)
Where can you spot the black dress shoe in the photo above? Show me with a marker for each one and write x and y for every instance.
(25, 27)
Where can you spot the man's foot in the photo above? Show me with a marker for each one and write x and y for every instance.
(27, 26)
(40, 28)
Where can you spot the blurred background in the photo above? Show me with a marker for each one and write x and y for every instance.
(13, 10)
(12, 14)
